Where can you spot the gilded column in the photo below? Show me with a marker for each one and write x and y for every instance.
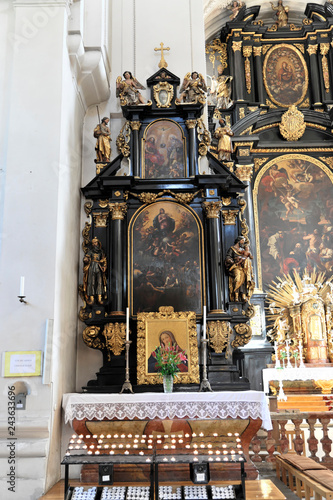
(258, 74)
(117, 292)
(190, 124)
(247, 53)
(245, 173)
(314, 73)
(214, 255)
(135, 126)
(324, 51)
(238, 71)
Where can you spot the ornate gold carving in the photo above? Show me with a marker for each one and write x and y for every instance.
(163, 94)
(312, 49)
(315, 125)
(306, 21)
(148, 198)
(229, 165)
(263, 112)
(247, 51)
(245, 230)
(247, 131)
(327, 159)
(265, 48)
(290, 150)
(219, 334)
(118, 210)
(244, 172)
(247, 143)
(88, 207)
(251, 311)
(229, 217)
(122, 141)
(162, 63)
(115, 335)
(324, 48)
(99, 167)
(294, 27)
(226, 201)
(117, 194)
(292, 125)
(83, 314)
(190, 123)
(258, 162)
(135, 125)
(274, 27)
(103, 203)
(241, 113)
(252, 109)
(325, 386)
(228, 120)
(305, 103)
(90, 338)
(257, 51)
(212, 209)
(243, 335)
(211, 192)
(220, 49)
(300, 47)
(204, 138)
(173, 321)
(100, 219)
(270, 104)
(236, 46)
(86, 236)
(244, 152)
(242, 204)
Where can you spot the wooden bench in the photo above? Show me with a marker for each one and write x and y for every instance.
(305, 477)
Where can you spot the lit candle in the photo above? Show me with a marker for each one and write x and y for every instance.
(204, 322)
(127, 323)
(22, 287)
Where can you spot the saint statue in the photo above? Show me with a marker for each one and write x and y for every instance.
(193, 88)
(281, 14)
(103, 135)
(94, 272)
(224, 134)
(239, 267)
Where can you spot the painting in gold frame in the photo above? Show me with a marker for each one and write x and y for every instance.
(183, 327)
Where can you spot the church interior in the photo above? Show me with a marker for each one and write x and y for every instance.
(150, 130)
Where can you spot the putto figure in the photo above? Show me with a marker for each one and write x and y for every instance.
(94, 272)
(128, 90)
(193, 89)
(103, 135)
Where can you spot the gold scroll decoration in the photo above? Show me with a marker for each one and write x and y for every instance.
(217, 49)
(123, 139)
(204, 138)
(243, 335)
(292, 125)
(324, 48)
(90, 337)
(247, 51)
(115, 335)
(219, 334)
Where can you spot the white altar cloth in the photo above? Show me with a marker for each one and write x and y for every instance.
(319, 373)
(150, 405)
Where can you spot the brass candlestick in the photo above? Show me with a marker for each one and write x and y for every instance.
(127, 386)
(205, 385)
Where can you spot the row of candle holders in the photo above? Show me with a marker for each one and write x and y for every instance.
(143, 493)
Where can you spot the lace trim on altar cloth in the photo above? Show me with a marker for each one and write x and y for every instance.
(148, 410)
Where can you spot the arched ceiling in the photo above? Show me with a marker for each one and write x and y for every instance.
(216, 13)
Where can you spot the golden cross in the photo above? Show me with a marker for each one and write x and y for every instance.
(162, 63)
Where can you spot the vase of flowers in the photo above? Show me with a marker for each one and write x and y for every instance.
(168, 358)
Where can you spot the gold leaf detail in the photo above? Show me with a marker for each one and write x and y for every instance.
(292, 125)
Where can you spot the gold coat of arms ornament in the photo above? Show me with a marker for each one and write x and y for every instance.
(292, 125)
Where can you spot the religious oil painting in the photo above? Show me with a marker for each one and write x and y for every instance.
(293, 201)
(163, 150)
(167, 328)
(285, 75)
(165, 258)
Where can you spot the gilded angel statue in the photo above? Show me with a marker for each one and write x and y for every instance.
(128, 90)
(193, 88)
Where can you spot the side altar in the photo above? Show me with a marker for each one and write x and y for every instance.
(200, 419)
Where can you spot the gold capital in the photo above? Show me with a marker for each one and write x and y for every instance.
(247, 50)
(212, 209)
(118, 210)
(244, 172)
(100, 218)
(257, 51)
(229, 217)
(236, 46)
(135, 125)
(190, 123)
(312, 49)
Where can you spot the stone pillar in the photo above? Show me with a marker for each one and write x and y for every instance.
(238, 71)
(258, 74)
(214, 255)
(190, 124)
(314, 74)
(135, 126)
(118, 212)
(244, 173)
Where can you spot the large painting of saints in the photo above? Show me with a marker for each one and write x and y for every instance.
(163, 150)
(166, 258)
(293, 199)
(285, 75)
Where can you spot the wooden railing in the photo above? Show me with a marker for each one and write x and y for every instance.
(309, 434)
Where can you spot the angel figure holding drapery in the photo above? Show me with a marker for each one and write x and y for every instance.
(128, 90)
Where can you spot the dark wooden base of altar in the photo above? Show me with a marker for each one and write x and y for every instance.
(224, 430)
